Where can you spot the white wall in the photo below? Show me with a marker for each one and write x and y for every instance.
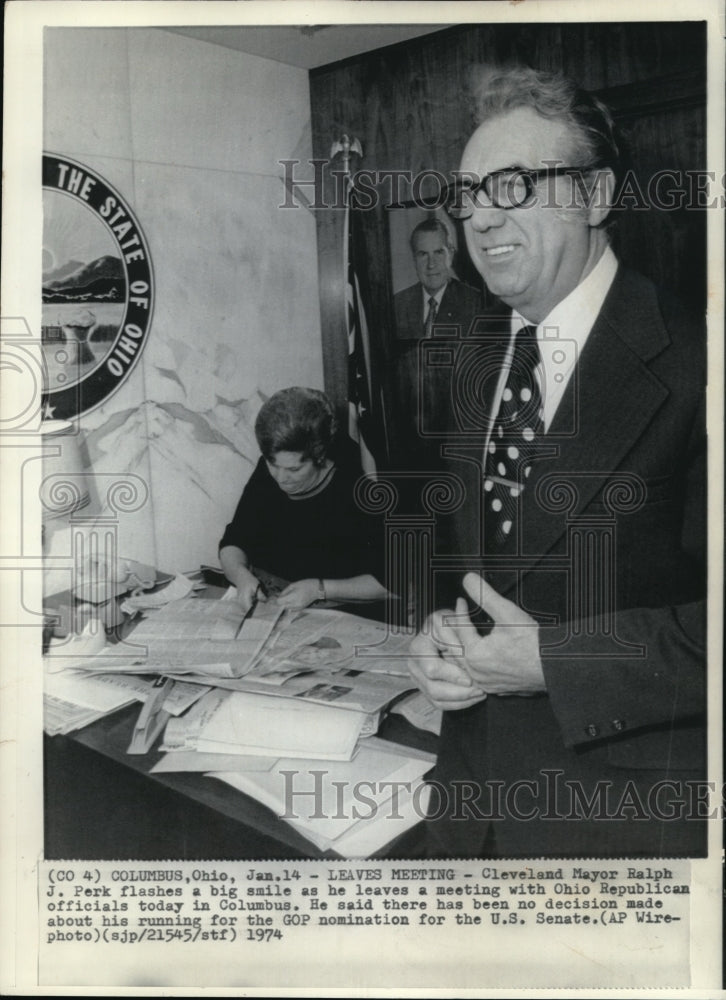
(190, 134)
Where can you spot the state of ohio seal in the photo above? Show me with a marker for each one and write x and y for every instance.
(98, 288)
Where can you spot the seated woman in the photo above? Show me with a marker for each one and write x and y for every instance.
(297, 517)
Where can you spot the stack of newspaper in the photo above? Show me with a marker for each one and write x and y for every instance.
(65, 711)
(323, 656)
(73, 699)
(252, 725)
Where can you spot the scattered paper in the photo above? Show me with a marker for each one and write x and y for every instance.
(260, 724)
(323, 639)
(349, 689)
(89, 643)
(100, 581)
(202, 673)
(367, 836)
(72, 699)
(182, 733)
(187, 632)
(81, 684)
(90, 692)
(193, 760)
(60, 717)
(182, 696)
(77, 698)
(353, 807)
(177, 588)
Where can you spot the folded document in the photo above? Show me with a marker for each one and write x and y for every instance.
(251, 724)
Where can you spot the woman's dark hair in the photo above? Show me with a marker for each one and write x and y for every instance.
(296, 419)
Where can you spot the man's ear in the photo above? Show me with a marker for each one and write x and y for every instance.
(601, 197)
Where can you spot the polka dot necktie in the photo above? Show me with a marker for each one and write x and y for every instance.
(513, 442)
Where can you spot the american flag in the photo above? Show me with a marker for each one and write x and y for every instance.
(366, 422)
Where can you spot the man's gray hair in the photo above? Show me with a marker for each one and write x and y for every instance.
(590, 123)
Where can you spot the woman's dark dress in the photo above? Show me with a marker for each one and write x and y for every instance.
(324, 535)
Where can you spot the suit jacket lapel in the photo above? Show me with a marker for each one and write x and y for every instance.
(610, 399)
(449, 307)
(445, 310)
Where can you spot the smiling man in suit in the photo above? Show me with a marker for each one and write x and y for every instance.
(574, 718)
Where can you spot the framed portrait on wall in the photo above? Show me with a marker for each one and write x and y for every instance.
(402, 221)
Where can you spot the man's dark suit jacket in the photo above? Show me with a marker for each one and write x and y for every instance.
(420, 406)
(460, 303)
(623, 487)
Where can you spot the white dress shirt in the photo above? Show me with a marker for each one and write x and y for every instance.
(562, 336)
(438, 296)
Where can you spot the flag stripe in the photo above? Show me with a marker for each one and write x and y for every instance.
(365, 420)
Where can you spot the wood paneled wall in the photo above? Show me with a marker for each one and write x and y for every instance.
(409, 106)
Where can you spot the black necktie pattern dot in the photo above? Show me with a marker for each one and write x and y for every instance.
(514, 440)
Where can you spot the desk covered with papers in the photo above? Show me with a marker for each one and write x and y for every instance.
(276, 711)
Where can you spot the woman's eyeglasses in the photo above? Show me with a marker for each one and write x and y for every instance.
(511, 188)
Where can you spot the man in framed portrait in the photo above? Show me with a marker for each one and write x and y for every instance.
(437, 305)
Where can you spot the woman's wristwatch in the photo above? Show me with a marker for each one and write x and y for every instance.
(321, 590)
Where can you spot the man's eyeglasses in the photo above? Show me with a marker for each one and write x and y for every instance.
(512, 188)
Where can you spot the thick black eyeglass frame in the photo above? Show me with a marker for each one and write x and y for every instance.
(457, 208)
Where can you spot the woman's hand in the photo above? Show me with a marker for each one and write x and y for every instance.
(249, 589)
(300, 594)
(235, 568)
